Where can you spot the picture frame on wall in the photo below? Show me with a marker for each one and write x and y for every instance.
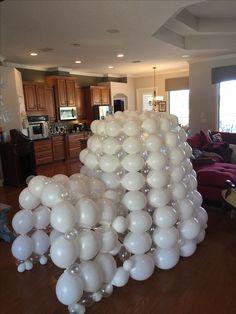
(162, 106)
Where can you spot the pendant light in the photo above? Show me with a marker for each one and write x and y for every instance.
(154, 101)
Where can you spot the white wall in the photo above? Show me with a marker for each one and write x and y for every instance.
(142, 84)
(203, 102)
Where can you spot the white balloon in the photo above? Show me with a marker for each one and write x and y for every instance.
(138, 243)
(23, 221)
(132, 145)
(165, 124)
(165, 238)
(196, 197)
(156, 160)
(166, 258)
(120, 224)
(37, 184)
(94, 144)
(109, 163)
(189, 229)
(113, 128)
(133, 181)
(150, 126)
(139, 221)
(87, 245)
(91, 273)
(22, 247)
(91, 161)
(178, 191)
(120, 278)
(158, 178)
(132, 162)
(101, 128)
(88, 214)
(187, 165)
(69, 288)
(111, 146)
(41, 242)
(109, 239)
(143, 267)
(93, 126)
(158, 197)
(82, 155)
(27, 200)
(63, 216)
(108, 266)
(188, 248)
(108, 210)
(54, 234)
(187, 149)
(153, 143)
(201, 215)
(134, 200)
(42, 217)
(171, 139)
(63, 252)
(177, 173)
(165, 217)
(176, 156)
(131, 128)
(60, 178)
(77, 189)
(112, 180)
(112, 195)
(184, 208)
(52, 194)
(201, 236)
(96, 187)
(183, 135)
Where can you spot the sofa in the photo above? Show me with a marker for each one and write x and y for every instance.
(214, 160)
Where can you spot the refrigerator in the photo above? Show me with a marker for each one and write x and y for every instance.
(101, 111)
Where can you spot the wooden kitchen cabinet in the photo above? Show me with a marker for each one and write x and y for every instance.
(80, 104)
(50, 101)
(58, 147)
(74, 146)
(35, 98)
(43, 151)
(100, 95)
(65, 93)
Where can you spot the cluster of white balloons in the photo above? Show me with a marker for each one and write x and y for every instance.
(136, 197)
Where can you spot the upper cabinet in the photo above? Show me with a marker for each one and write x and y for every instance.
(80, 104)
(65, 92)
(35, 97)
(50, 100)
(100, 95)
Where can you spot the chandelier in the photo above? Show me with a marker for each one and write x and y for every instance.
(154, 100)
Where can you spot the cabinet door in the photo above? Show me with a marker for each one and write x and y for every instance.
(73, 146)
(30, 97)
(70, 91)
(58, 148)
(80, 103)
(105, 94)
(49, 93)
(41, 97)
(61, 89)
(43, 151)
(96, 96)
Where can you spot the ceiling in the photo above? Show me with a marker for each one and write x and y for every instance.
(148, 33)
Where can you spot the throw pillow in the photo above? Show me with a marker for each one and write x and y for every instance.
(205, 139)
(220, 148)
(217, 137)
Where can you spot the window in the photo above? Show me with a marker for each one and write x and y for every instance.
(179, 105)
(227, 107)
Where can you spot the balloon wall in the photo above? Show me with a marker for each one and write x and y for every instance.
(134, 206)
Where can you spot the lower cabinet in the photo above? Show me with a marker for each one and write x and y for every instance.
(58, 148)
(43, 151)
(73, 146)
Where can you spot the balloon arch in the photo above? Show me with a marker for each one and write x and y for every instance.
(133, 206)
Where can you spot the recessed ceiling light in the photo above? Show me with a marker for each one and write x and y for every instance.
(113, 31)
(78, 61)
(110, 67)
(185, 56)
(120, 55)
(136, 61)
(75, 44)
(46, 49)
(33, 54)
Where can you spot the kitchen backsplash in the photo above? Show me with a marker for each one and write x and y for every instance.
(67, 127)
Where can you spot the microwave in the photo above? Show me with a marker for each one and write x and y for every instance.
(67, 113)
(38, 127)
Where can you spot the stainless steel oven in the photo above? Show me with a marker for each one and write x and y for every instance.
(38, 127)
